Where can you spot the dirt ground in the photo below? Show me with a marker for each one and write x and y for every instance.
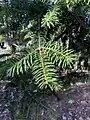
(74, 104)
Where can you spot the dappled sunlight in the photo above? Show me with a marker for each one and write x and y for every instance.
(45, 60)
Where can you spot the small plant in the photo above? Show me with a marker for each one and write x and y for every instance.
(42, 56)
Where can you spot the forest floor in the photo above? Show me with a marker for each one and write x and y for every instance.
(74, 104)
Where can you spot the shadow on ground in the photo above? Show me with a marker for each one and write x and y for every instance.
(74, 104)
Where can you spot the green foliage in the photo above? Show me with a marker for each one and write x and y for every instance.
(42, 62)
(37, 22)
(60, 55)
(44, 72)
(50, 18)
